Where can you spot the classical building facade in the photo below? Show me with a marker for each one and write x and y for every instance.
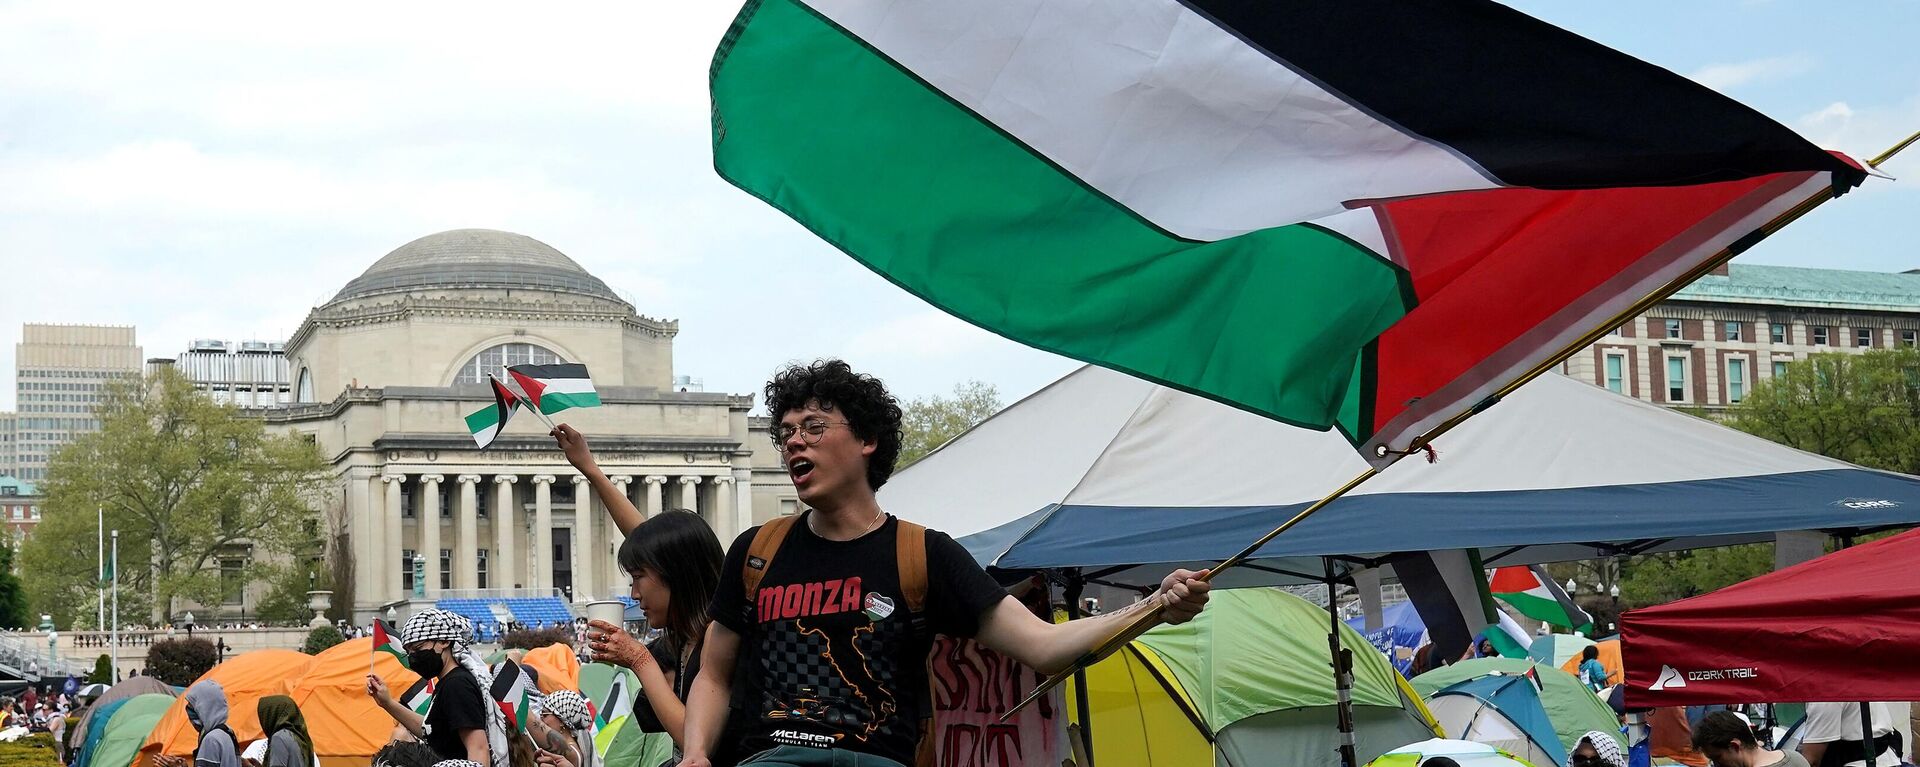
(1711, 342)
(385, 372)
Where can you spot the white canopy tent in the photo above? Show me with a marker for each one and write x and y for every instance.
(1125, 480)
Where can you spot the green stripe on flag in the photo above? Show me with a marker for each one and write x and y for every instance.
(554, 402)
(945, 205)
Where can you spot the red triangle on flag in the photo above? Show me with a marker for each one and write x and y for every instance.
(530, 385)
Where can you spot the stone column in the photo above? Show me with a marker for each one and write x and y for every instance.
(360, 523)
(391, 576)
(542, 575)
(466, 547)
(723, 520)
(690, 493)
(430, 530)
(1367, 583)
(505, 527)
(654, 484)
(621, 483)
(743, 499)
(585, 512)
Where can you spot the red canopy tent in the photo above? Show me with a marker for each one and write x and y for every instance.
(1843, 627)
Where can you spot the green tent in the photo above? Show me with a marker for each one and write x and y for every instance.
(1573, 708)
(128, 728)
(1254, 670)
(630, 745)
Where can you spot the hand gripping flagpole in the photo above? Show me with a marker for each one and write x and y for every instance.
(1151, 616)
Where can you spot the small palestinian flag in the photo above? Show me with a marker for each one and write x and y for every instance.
(386, 641)
(514, 693)
(619, 707)
(419, 697)
(553, 388)
(487, 422)
(1535, 594)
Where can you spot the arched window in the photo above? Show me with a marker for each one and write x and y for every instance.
(305, 390)
(490, 361)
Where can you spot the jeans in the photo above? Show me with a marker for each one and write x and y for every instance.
(801, 756)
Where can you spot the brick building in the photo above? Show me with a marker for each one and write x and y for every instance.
(1708, 345)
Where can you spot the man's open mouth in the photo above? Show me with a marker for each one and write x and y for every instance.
(799, 468)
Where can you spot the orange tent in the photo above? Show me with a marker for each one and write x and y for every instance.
(558, 667)
(1609, 657)
(247, 677)
(346, 725)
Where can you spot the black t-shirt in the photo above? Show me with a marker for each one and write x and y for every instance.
(726, 753)
(456, 707)
(832, 660)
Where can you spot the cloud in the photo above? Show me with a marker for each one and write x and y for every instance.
(1866, 131)
(1724, 77)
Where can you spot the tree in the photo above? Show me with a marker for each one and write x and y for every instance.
(1661, 578)
(1860, 408)
(13, 597)
(321, 638)
(102, 671)
(928, 423)
(188, 483)
(287, 587)
(179, 662)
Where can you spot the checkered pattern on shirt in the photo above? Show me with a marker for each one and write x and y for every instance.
(793, 659)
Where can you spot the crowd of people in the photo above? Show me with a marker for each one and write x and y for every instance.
(804, 642)
(816, 656)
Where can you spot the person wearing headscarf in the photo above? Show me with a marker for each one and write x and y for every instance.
(564, 730)
(288, 744)
(405, 753)
(463, 722)
(1597, 749)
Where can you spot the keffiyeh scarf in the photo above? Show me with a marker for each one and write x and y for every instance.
(434, 625)
(1605, 746)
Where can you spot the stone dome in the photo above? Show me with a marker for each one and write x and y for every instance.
(475, 258)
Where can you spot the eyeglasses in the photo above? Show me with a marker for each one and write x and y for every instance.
(810, 433)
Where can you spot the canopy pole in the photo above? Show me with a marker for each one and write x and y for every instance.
(1150, 616)
(1076, 586)
(1342, 672)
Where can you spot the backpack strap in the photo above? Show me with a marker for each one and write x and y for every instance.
(766, 542)
(910, 554)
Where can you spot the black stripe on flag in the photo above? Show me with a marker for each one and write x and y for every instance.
(1530, 103)
(1446, 590)
(550, 372)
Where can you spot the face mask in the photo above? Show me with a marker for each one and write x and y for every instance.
(193, 718)
(425, 662)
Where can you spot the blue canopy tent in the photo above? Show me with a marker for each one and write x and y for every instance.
(1124, 480)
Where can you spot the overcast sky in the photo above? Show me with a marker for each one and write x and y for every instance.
(215, 170)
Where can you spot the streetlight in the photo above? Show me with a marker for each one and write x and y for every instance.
(1570, 585)
(1614, 591)
(187, 622)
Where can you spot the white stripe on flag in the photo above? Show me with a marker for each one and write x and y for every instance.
(1157, 107)
(565, 385)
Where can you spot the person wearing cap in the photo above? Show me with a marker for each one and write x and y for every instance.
(463, 722)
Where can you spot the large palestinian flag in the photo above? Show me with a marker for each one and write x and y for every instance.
(1362, 214)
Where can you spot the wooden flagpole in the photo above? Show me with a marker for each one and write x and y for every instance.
(1151, 616)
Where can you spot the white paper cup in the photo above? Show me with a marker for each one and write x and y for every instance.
(610, 610)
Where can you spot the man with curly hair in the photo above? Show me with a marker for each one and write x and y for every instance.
(816, 650)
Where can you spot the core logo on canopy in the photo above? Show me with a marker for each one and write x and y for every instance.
(1669, 677)
(1867, 503)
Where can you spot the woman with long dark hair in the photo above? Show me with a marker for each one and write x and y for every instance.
(674, 561)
